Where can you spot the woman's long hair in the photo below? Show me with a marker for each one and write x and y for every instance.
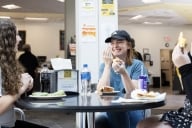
(10, 69)
(129, 57)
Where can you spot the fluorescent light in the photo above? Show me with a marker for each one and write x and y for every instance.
(10, 6)
(137, 17)
(34, 18)
(151, 1)
(5, 17)
(61, 1)
(155, 23)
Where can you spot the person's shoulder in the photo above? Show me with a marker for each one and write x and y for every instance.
(137, 61)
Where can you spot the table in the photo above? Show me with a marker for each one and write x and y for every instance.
(84, 104)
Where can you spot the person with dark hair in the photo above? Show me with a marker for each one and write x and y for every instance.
(29, 61)
(120, 71)
(136, 54)
(181, 118)
(13, 81)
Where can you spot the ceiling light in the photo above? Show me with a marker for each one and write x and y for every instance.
(10, 6)
(155, 23)
(151, 1)
(137, 17)
(33, 18)
(5, 17)
(61, 1)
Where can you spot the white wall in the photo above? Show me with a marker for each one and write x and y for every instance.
(152, 37)
(43, 37)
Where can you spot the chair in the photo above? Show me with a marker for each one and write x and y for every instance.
(20, 113)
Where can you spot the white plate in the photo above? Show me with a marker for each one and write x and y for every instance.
(159, 96)
(110, 93)
(47, 97)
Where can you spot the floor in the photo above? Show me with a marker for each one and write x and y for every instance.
(67, 120)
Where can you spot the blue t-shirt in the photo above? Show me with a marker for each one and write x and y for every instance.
(134, 71)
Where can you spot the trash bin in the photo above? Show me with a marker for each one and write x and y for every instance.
(156, 82)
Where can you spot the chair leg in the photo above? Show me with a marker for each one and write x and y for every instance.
(21, 112)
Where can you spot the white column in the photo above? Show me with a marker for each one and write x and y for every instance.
(94, 20)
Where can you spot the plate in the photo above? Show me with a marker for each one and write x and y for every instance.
(157, 95)
(46, 97)
(110, 93)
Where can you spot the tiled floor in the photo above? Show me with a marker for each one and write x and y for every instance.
(67, 120)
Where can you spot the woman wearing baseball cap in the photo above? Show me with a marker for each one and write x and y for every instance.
(120, 71)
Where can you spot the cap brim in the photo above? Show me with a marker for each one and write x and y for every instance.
(108, 40)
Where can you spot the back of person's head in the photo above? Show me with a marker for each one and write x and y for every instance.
(26, 48)
(9, 67)
(132, 42)
(7, 35)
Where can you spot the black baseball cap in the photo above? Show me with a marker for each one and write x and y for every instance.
(120, 35)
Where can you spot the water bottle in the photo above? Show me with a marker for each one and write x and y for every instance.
(85, 80)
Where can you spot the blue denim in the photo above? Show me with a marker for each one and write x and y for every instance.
(128, 119)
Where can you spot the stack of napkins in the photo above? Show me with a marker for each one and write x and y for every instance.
(61, 63)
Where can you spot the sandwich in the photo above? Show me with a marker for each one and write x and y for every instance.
(116, 59)
(107, 89)
(150, 94)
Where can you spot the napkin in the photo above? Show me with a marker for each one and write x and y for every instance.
(60, 63)
(123, 100)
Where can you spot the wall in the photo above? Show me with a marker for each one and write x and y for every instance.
(43, 37)
(152, 37)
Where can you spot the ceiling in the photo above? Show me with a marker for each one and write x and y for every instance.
(169, 12)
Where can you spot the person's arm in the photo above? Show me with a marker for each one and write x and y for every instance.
(105, 76)
(6, 101)
(129, 84)
(183, 61)
(186, 74)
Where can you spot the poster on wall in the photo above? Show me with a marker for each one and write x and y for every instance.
(87, 7)
(88, 32)
(107, 8)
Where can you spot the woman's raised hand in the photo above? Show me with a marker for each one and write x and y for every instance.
(180, 57)
(118, 66)
(107, 56)
(27, 82)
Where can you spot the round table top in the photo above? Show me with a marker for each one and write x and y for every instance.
(78, 103)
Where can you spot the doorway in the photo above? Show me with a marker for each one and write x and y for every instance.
(167, 67)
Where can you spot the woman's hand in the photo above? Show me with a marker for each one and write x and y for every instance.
(107, 56)
(180, 58)
(118, 66)
(27, 81)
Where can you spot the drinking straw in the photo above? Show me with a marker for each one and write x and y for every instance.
(141, 70)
